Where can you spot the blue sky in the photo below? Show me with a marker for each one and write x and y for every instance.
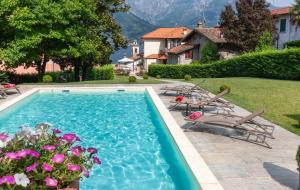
(281, 3)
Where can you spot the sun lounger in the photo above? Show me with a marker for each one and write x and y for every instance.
(184, 89)
(214, 101)
(9, 86)
(246, 124)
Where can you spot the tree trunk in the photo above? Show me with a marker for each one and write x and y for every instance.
(77, 70)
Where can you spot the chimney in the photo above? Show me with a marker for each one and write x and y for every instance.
(200, 24)
(185, 31)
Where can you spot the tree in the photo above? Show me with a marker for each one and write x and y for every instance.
(295, 14)
(209, 53)
(265, 42)
(244, 27)
(82, 32)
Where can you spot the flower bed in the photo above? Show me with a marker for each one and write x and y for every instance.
(41, 158)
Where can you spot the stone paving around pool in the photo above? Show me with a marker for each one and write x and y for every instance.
(238, 165)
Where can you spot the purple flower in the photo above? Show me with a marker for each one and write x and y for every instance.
(75, 151)
(32, 167)
(85, 172)
(51, 182)
(56, 131)
(12, 156)
(73, 167)
(49, 147)
(34, 154)
(23, 153)
(58, 158)
(92, 150)
(2, 180)
(47, 167)
(96, 160)
(80, 148)
(3, 137)
(10, 180)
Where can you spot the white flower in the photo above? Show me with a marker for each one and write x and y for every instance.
(21, 179)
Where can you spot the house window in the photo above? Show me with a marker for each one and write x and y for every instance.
(282, 25)
(189, 54)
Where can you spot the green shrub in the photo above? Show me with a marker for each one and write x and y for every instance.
(132, 79)
(157, 77)
(298, 156)
(284, 64)
(292, 44)
(225, 87)
(145, 77)
(209, 53)
(187, 77)
(105, 72)
(47, 79)
(195, 62)
(265, 42)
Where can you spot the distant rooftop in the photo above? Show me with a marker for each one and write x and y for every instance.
(167, 33)
(213, 34)
(281, 11)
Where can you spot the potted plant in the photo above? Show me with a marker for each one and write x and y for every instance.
(43, 158)
(298, 161)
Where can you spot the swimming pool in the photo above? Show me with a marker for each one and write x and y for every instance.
(135, 146)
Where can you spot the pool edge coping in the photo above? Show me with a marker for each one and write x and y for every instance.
(196, 163)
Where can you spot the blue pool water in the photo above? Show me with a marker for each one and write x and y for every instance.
(136, 149)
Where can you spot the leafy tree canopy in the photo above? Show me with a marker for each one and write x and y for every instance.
(295, 13)
(265, 42)
(209, 53)
(243, 27)
(68, 30)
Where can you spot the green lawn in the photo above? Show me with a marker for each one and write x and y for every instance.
(280, 98)
(117, 80)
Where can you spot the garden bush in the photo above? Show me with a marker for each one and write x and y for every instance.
(47, 79)
(284, 64)
(187, 77)
(105, 72)
(209, 53)
(224, 87)
(292, 44)
(298, 156)
(145, 77)
(158, 77)
(132, 79)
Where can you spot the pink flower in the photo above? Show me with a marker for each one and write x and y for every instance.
(85, 172)
(56, 131)
(34, 154)
(2, 180)
(92, 150)
(96, 160)
(10, 180)
(58, 158)
(23, 153)
(75, 151)
(32, 167)
(49, 147)
(51, 182)
(70, 137)
(73, 167)
(47, 167)
(3, 137)
(12, 156)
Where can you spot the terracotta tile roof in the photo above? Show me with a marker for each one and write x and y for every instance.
(181, 48)
(281, 11)
(167, 33)
(157, 56)
(214, 34)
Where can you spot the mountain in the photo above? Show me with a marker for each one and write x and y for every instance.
(133, 28)
(170, 13)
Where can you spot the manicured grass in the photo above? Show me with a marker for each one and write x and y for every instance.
(117, 80)
(280, 98)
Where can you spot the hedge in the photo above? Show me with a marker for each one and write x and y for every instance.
(33, 78)
(105, 72)
(273, 64)
(292, 44)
